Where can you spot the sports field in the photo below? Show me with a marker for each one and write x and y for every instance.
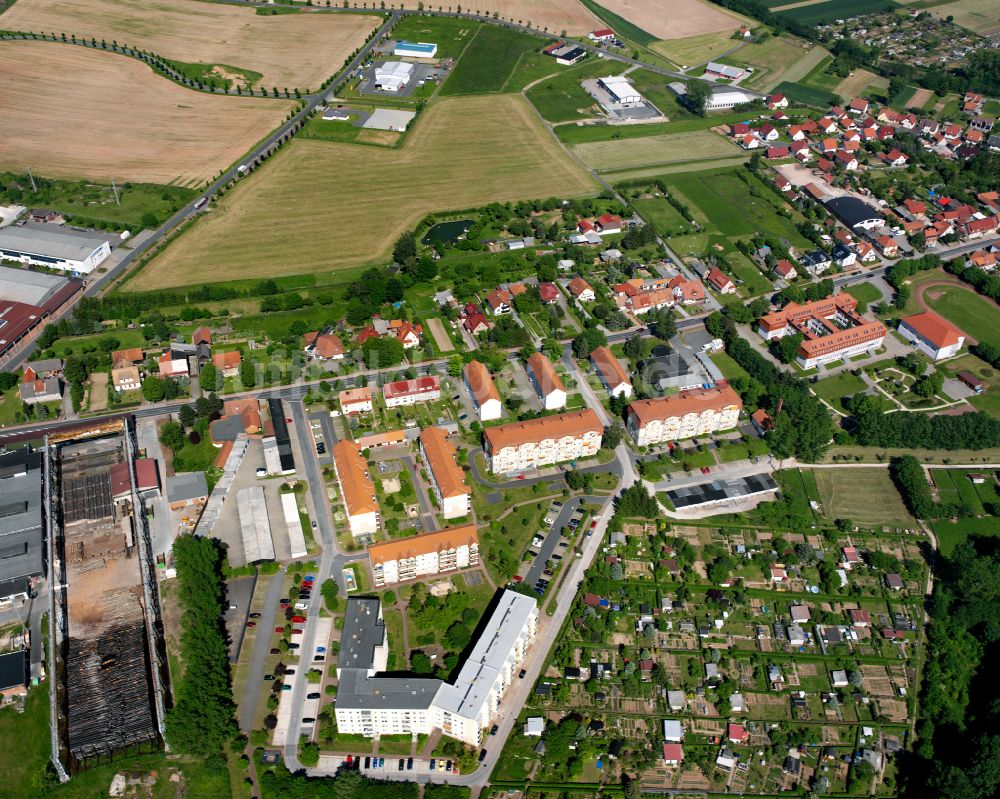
(75, 112)
(865, 496)
(676, 19)
(289, 50)
(653, 150)
(318, 206)
(974, 315)
(979, 16)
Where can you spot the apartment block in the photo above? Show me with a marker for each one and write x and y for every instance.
(356, 488)
(547, 382)
(425, 554)
(410, 392)
(612, 373)
(520, 446)
(447, 478)
(686, 414)
(483, 390)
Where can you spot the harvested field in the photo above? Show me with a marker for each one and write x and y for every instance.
(293, 50)
(920, 98)
(555, 15)
(344, 205)
(694, 50)
(855, 84)
(140, 126)
(979, 16)
(675, 20)
(668, 149)
(436, 326)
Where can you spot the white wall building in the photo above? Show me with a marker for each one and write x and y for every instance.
(686, 414)
(410, 392)
(370, 705)
(933, 335)
(447, 478)
(546, 381)
(420, 555)
(520, 446)
(393, 76)
(621, 91)
(483, 390)
(356, 488)
(56, 247)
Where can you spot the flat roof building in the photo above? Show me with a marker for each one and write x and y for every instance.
(393, 76)
(31, 288)
(21, 523)
(832, 329)
(254, 524)
(55, 247)
(855, 213)
(428, 553)
(695, 412)
(447, 478)
(520, 446)
(356, 488)
(372, 705)
(620, 90)
(415, 49)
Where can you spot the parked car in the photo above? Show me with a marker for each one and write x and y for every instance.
(409, 764)
(433, 764)
(368, 762)
(268, 677)
(286, 686)
(275, 651)
(482, 755)
(313, 695)
(522, 673)
(293, 646)
(298, 619)
(493, 729)
(254, 615)
(279, 630)
(447, 766)
(308, 720)
(402, 764)
(251, 624)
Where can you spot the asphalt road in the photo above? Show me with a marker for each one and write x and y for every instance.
(247, 708)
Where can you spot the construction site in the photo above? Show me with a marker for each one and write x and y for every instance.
(107, 641)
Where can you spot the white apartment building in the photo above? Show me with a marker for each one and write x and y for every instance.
(547, 382)
(483, 390)
(410, 392)
(686, 414)
(447, 478)
(613, 375)
(355, 400)
(520, 446)
(420, 555)
(356, 488)
(370, 705)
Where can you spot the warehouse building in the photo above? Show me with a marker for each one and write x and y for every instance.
(421, 555)
(254, 524)
(393, 76)
(20, 523)
(405, 49)
(447, 478)
(686, 414)
(70, 249)
(519, 446)
(372, 705)
(855, 214)
(621, 91)
(27, 299)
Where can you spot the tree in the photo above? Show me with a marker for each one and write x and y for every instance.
(696, 95)
(613, 435)
(379, 353)
(329, 590)
(187, 416)
(634, 347)
(153, 389)
(248, 373)
(588, 341)
(455, 365)
(405, 248)
(172, 436)
(8, 380)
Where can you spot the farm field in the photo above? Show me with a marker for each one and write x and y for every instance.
(615, 155)
(571, 16)
(683, 18)
(293, 50)
(725, 202)
(488, 61)
(344, 205)
(693, 50)
(680, 166)
(772, 59)
(866, 496)
(825, 10)
(979, 16)
(855, 84)
(149, 130)
(971, 313)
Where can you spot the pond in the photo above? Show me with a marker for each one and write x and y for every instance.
(447, 231)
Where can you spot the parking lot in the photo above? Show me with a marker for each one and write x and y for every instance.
(549, 548)
(420, 75)
(388, 766)
(644, 111)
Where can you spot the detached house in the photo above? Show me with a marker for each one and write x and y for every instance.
(547, 382)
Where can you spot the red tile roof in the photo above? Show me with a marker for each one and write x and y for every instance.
(934, 329)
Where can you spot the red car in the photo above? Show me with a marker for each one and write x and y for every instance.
(298, 619)
(705, 470)
(279, 630)
(518, 578)
(251, 624)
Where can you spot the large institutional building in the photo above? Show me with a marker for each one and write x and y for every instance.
(372, 705)
(447, 477)
(696, 412)
(832, 329)
(421, 555)
(356, 488)
(520, 446)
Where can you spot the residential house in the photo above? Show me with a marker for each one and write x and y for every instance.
(410, 392)
(499, 301)
(447, 478)
(356, 488)
(581, 290)
(39, 370)
(612, 374)
(720, 281)
(785, 270)
(683, 415)
(126, 378)
(548, 293)
(355, 400)
(228, 363)
(887, 246)
(484, 392)
(42, 389)
(546, 381)
(130, 357)
(519, 446)
(323, 345)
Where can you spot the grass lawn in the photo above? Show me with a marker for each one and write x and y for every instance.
(654, 150)
(693, 50)
(973, 314)
(771, 60)
(10, 407)
(951, 534)
(666, 219)
(449, 34)
(732, 206)
(319, 184)
(865, 294)
(866, 496)
(728, 366)
(331, 130)
(562, 98)
(806, 95)
(833, 389)
(488, 61)
(394, 631)
(77, 345)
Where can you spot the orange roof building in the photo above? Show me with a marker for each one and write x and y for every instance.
(520, 446)
(356, 488)
(130, 357)
(547, 382)
(933, 335)
(581, 289)
(612, 374)
(832, 329)
(323, 345)
(483, 390)
(695, 412)
(228, 363)
(447, 477)
(355, 400)
(420, 555)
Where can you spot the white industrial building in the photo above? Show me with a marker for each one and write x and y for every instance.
(56, 247)
(370, 705)
(254, 524)
(393, 76)
(622, 92)
(415, 49)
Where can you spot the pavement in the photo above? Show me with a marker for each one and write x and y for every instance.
(247, 708)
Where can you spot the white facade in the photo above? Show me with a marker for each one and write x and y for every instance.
(490, 410)
(392, 76)
(421, 565)
(930, 349)
(545, 452)
(54, 247)
(621, 91)
(554, 400)
(412, 398)
(674, 428)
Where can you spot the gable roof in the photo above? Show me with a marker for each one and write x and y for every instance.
(610, 367)
(933, 329)
(545, 375)
(425, 543)
(481, 382)
(572, 424)
(440, 455)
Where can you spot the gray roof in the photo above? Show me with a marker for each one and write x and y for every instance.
(185, 486)
(852, 211)
(20, 515)
(31, 288)
(13, 670)
(364, 629)
(357, 691)
(49, 388)
(46, 365)
(52, 241)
